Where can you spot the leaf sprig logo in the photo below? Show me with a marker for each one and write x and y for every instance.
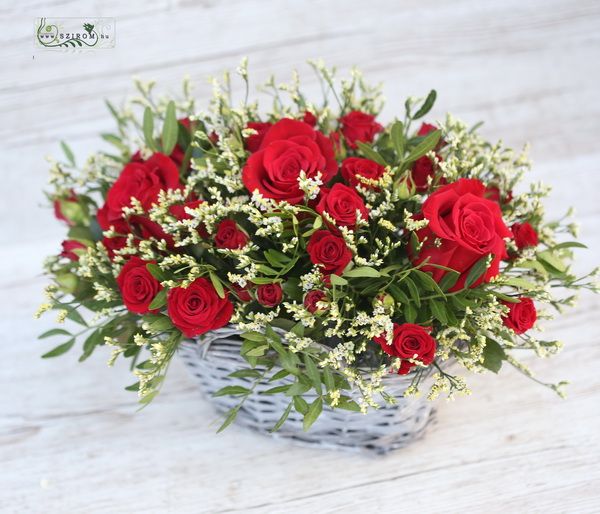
(78, 33)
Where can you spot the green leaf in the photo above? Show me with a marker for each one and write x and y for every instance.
(313, 373)
(159, 300)
(369, 153)
(68, 153)
(297, 388)
(428, 282)
(94, 339)
(148, 128)
(427, 105)
(160, 324)
(347, 403)
(277, 390)
(328, 379)
(232, 391)
(314, 410)
(60, 349)
(73, 315)
(568, 244)
(170, 129)
(363, 271)
(230, 418)
(410, 312)
(282, 373)
(449, 280)
(428, 143)
(397, 134)
(477, 271)
(54, 332)
(216, 282)
(521, 283)
(259, 351)
(282, 419)
(552, 260)
(493, 355)
(133, 387)
(156, 272)
(336, 280)
(245, 373)
(439, 311)
(414, 291)
(254, 336)
(300, 405)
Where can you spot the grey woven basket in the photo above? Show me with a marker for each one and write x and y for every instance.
(211, 360)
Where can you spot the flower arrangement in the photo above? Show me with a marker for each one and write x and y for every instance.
(343, 249)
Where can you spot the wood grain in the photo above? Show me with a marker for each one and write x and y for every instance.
(70, 437)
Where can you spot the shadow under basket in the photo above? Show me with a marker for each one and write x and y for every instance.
(211, 360)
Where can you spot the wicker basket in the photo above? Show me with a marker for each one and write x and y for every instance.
(211, 360)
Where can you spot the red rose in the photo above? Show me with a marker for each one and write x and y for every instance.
(269, 295)
(359, 126)
(253, 142)
(58, 207)
(525, 235)
(463, 227)
(146, 228)
(179, 212)
(138, 287)
(112, 244)
(312, 298)
(68, 249)
(289, 147)
(329, 251)
(422, 170)
(493, 193)
(242, 293)
(355, 167)
(341, 203)
(309, 118)
(409, 342)
(197, 309)
(521, 316)
(230, 236)
(426, 128)
(141, 180)
(120, 225)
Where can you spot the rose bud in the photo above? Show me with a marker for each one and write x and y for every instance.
(341, 203)
(138, 286)
(359, 126)
(69, 248)
(312, 298)
(230, 236)
(525, 235)
(409, 342)
(329, 251)
(269, 295)
(242, 293)
(309, 118)
(70, 210)
(67, 282)
(521, 316)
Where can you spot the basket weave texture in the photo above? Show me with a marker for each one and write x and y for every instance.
(211, 360)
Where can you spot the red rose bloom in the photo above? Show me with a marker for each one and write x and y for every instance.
(179, 212)
(112, 244)
(409, 342)
(312, 298)
(58, 213)
(329, 251)
(197, 309)
(230, 236)
(525, 235)
(422, 170)
(426, 128)
(463, 227)
(141, 180)
(288, 147)
(68, 249)
(309, 118)
(242, 293)
(355, 167)
(269, 295)
(359, 126)
(253, 142)
(138, 287)
(341, 203)
(521, 316)
(493, 193)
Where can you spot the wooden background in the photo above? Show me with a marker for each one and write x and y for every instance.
(70, 437)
